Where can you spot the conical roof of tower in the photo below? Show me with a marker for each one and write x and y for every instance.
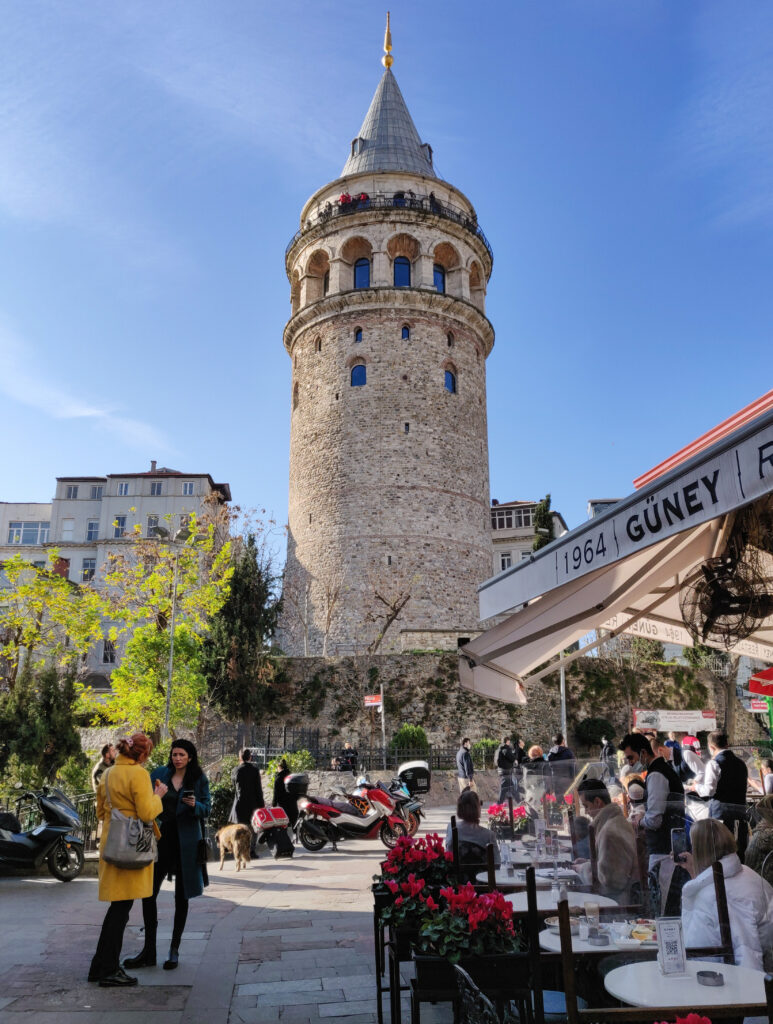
(388, 140)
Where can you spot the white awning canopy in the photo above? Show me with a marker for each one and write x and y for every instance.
(623, 571)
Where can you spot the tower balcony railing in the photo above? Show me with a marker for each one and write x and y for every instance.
(428, 205)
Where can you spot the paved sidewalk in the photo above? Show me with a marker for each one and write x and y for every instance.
(288, 941)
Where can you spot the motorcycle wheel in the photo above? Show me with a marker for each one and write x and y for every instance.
(308, 841)
(65, 864)
(389, 834)
(413, 822)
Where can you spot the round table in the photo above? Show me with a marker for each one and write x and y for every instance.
(547, 900)
(642, 984)
(551, 941)
(519, 878)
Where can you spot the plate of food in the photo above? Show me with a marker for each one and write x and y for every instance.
(643, 930)
(552, 924)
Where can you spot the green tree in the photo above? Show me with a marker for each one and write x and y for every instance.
(543, 524)
(37, 721)
(140, 583)
(236, 661)
(409, 737)
(45, 619)
(644, 650)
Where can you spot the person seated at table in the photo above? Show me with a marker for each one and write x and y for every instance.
(765, 785)
(749, 897)
(617, 866)
(759, 852)
(473, 837)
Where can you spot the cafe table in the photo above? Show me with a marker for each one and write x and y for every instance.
(501, 877)
(550, 941)
(642, 984)
(548, 900)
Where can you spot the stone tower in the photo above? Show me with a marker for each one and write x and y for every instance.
(388, 337)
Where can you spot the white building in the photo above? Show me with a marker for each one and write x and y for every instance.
(512, 531)
(91, 516)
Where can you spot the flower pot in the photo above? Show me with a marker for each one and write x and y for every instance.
(401, 940)
(495, 972)
(382, 896)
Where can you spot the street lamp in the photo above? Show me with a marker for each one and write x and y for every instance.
(179, 538)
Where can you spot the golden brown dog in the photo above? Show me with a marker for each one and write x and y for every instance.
(235, 839)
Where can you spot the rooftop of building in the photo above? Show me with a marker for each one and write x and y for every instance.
(154, 472)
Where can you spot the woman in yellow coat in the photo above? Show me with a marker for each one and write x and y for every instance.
(131, 792)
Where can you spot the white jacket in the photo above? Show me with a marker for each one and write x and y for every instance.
(750, 905)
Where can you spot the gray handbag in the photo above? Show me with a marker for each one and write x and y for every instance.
(131, 842)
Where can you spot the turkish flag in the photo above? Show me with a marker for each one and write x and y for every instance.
(762, 682)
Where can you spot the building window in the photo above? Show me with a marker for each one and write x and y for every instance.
(450, 339)
(406, 332)
(152, 524)
(71, 492)
(119, 527)
(187, 488)
(525, 556)
(156, 488)
(38, 565)
(108, 652)
(88, 568)
(296, 395)
(28, 533)
(407, 428)
(68, 529)
(399, 199)
(358, 334)
(359, 376)
(450, 381)
(362, 273)
(318, 345)
(402, 272)
(505, 560)
(92, 529)
(512, 518)
(326, 283)
(123, 490)
(96, 492)
(439, 277)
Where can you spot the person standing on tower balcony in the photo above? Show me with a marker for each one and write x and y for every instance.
(464, 767)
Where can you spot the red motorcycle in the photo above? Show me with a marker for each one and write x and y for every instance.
(336, 818)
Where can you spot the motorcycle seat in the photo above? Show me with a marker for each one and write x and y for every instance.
(346, 808)
(9, 823)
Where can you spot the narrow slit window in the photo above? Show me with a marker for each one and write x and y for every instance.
(406, 332)
(450, 381)
(358, 334)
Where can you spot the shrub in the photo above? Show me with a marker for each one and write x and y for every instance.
(409, 737)
(222, 794)
(297, 761)
(483, 753)
(590, 730)
(74, 777)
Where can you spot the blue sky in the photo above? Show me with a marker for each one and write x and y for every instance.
(154, 158)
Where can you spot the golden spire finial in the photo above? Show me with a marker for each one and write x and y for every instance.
(387, 60)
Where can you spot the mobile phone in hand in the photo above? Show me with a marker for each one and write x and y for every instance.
(188, 792)
(678, 843)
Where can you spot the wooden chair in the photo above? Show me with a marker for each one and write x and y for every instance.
(638, 1014)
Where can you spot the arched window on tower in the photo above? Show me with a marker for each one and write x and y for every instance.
(406, 332)
(358, 376)
(402, 272)
(439, 277)
(450, 381)
(358, 334)
(362, 273)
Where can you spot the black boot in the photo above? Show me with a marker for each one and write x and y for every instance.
(145, 958)
(174, 957)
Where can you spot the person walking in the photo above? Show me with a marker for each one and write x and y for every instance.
(107, 760)
(248, 795)
(724, 783)
(504, 759)
(464, 768)
(561, 761)
(281, 797)
(132, 793)
(186, 803)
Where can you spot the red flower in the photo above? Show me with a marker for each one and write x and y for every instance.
(392, 886)
(431, 905)
(399, 901)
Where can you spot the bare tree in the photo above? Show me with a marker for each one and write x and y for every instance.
(391, 587)
(332, 585)
(296, 594)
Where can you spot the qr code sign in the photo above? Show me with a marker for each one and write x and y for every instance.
(672, 949)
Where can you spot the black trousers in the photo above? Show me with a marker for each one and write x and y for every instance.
(107, 958)
(168, 863)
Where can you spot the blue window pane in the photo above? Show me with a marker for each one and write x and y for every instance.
(439, 275)
(450, 382)
(399, 199)
(358, 334)
(362, 274)
(406, 333)
(402, 272)
(358, 376)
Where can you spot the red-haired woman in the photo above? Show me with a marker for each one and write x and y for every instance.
(131, 793)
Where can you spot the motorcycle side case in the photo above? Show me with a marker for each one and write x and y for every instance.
(415, 776)
(266, 818)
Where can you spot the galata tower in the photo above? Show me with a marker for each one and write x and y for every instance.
(389, 531)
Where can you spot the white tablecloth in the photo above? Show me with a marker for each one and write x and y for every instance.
(642, 984)
(546, 900)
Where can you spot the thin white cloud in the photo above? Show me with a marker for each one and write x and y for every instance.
(727, 131)
(30, 389)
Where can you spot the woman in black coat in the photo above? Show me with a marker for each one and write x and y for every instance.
(281, 797)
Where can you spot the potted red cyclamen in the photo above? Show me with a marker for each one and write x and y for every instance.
(423, 857)
(499, 820)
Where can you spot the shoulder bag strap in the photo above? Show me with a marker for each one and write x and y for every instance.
(107, 788)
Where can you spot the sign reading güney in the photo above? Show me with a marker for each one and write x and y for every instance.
(702, 491)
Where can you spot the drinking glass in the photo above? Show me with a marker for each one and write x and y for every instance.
(592, 913)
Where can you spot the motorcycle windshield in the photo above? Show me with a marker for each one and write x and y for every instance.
(58, 808)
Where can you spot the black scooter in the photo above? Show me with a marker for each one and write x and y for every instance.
(51, 841)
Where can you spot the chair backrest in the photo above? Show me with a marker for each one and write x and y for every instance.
(535, 954)
(491, 868)
(472, 861)
(474, 1006)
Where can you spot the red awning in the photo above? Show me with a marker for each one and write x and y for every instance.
(762, 682)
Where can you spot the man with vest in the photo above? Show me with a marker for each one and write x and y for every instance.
(724, 784)
(664, 810)
(505, 762)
